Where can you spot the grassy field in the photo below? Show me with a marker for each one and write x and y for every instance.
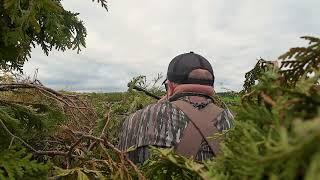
(101, 101)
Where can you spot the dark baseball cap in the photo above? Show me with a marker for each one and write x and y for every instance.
(181, 66)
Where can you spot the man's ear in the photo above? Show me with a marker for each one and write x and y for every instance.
(171, 87)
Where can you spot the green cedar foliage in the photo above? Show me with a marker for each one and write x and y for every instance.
(32, 123)
(274, 138)
(18, 165)
(165, 164)
(277, 129)
(27, 23)
(78, 173)
(295, 63)
(301, 60)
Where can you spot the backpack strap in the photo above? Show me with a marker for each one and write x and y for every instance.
(200, 127)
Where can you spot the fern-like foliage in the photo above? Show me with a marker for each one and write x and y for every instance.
(78, 173)
(103, 3)
(165, 164)
(297, 62)
(18, 165)
(301, 60)
(29, 122)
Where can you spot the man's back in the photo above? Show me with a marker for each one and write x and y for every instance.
(162, 125)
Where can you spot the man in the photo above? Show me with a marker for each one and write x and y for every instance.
(183, 119)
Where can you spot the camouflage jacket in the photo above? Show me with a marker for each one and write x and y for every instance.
(162, 125)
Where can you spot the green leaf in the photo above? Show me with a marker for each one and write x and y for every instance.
(82, 175)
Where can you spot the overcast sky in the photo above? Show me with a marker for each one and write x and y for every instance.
(141, 37)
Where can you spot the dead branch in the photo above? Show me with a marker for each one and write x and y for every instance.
(87, 123)
(107, 122)
(107, 118)
(105, 142)
(38, 152)
(44, 91)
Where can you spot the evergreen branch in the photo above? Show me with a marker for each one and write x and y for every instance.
(37, 152)
(16, 137)
(46, 23)
(103, 4)
(294, 150)
(301, 60)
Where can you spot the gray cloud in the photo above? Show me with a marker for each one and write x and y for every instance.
(141, 37)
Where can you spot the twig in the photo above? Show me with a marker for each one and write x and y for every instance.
(38, 104)
(49, 153)
(107, 122)
(248, 94)
(74, 145)
(16, 137)
(69, 154)
(52, 97)
(103, 130)
(11, 142)
(136, 169)
(120, 153)
(85, 104)
(78, 109)
(268, 99)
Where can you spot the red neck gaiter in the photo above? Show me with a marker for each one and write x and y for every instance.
(197, 88)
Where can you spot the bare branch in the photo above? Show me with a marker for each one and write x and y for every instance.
(108, 144)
